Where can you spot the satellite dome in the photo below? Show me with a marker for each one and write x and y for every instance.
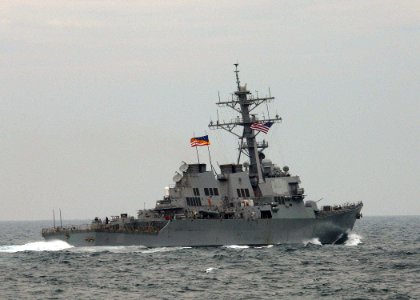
(184, 167)
(177, 177)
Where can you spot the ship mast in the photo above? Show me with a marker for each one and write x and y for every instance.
(244, 103)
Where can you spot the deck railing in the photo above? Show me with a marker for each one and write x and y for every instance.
(56, 229)
(99, 227)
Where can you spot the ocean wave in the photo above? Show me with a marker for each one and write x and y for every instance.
(263, 247)
(164, 249)
(125, 249)
(211, 269)
(353, 239)
(236, 246)
(111, 249)
(36, 246)
(314, 241)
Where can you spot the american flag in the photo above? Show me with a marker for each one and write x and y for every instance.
(260, 126)
(200, 141)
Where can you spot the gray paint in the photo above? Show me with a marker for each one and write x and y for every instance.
(225, 232)
(268, 207)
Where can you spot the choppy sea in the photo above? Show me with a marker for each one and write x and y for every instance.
(381, 260)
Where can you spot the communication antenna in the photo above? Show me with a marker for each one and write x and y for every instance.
(53, 218)
(184, 167)
(61, 220)
(244, 103)
(177, 177)
(237, 76)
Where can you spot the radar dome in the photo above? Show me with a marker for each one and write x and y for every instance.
(184, 167)
(177, 177)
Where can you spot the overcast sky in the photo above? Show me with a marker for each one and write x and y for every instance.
(98, 99)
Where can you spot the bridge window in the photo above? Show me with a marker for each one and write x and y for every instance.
(211, 191)
(243, 193)
(193, 201)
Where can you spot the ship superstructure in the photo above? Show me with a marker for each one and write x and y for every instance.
(251, 203)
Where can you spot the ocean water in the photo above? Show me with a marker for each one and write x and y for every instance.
(381, 260)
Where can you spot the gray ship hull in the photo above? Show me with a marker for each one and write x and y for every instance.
(328, 228)
(254, 203)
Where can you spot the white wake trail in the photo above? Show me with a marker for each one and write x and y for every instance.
(236, 246)
(36, 246)
(164, 249)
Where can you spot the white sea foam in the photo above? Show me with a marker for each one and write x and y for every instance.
(236, 246)
(262, 247)
(353, 239)
(211, 269)
(164, 249)
(314, 241)
(37, 246)
(112, 249)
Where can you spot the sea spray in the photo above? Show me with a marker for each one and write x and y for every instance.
(353, 239)
(36, 246)
(314, 241)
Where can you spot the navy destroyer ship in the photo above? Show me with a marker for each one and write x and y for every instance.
(251, 203)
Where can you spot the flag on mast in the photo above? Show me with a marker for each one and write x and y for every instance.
(200, 141)
(261, 126)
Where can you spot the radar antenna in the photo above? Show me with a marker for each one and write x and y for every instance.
(237, 76)
(244, 102)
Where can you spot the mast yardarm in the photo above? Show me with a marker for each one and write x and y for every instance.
(244, 103)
